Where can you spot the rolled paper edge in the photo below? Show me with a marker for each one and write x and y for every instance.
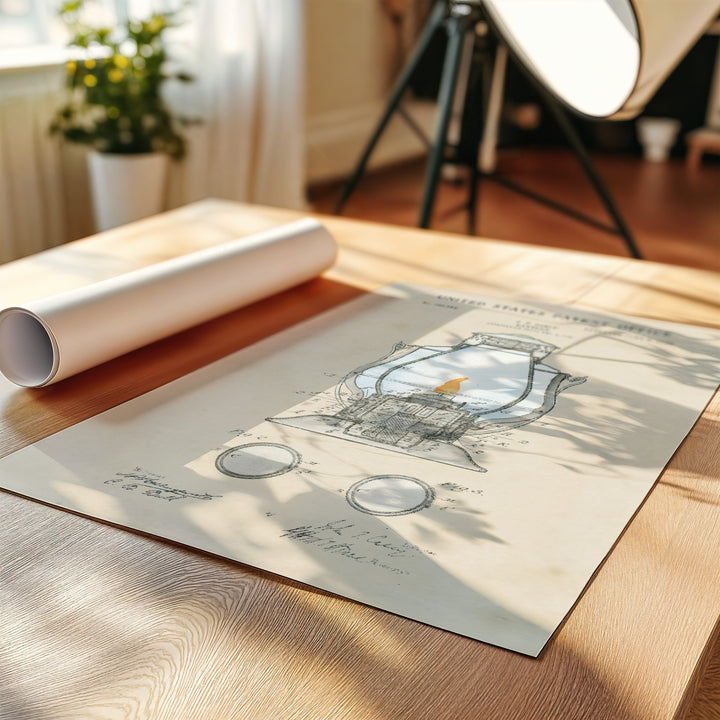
(29, 352)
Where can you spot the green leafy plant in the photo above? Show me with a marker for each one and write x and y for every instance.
(114, 86)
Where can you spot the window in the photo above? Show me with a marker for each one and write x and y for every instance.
(28, 23)
(31, 33)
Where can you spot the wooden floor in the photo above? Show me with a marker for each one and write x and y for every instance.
(673, 214)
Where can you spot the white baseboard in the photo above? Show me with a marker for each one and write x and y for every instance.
(335, 140)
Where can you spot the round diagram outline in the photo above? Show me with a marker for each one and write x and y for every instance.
(294, 454)
(426, 503)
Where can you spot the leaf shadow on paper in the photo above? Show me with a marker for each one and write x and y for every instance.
(595, 433)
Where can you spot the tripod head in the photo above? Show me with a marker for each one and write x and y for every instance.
(459, 8)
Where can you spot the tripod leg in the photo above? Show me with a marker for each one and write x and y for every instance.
(434, 21)
(457, 26)
(487, 157)
(473, 192)
(480, 124)
(577, 145)
(457, 117)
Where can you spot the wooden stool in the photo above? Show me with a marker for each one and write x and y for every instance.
(701, 141)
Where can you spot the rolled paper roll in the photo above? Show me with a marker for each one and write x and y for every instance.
(50, 339)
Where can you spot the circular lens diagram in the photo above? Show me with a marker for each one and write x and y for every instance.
(390, 495)
(257, 460)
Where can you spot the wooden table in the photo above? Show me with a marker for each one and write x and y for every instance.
(98, 622)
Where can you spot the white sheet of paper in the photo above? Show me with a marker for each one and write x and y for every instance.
(52, 338)
(461, 461)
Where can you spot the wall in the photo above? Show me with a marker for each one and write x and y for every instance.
(354, 52)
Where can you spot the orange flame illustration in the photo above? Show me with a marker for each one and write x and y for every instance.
(450, 387)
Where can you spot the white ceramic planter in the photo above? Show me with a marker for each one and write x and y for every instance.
(657, 136)
(126, 187)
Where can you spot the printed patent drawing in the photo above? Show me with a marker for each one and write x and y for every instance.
(432, 401)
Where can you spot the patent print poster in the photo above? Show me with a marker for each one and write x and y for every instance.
(465, 462)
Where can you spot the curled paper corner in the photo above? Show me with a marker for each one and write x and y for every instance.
(50, 339)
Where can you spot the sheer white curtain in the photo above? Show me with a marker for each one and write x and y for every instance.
(248, 61)
(32, 212)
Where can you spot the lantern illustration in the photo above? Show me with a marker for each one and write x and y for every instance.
(425, 400)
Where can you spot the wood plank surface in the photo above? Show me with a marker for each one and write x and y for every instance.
(98, 622)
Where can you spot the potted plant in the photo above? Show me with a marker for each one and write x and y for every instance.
(114, 105)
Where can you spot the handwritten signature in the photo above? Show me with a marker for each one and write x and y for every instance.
(151, 485)
(345, 538)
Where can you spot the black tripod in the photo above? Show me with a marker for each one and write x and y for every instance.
(460, 18)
